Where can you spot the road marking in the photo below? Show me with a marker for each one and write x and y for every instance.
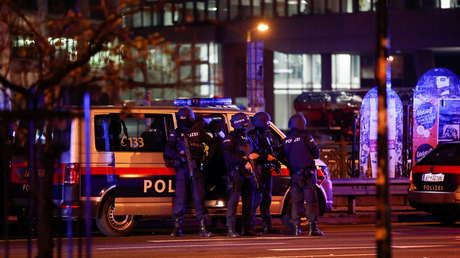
(224, 239)
(186, 246)
(350, 248)
(321, 248)
(416, 246)
(319, 255)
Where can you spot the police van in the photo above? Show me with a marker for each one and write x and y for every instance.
(129, 177)
(435, 183)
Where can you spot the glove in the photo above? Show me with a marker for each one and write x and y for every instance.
(253, 155)
(248, 166)
(270, 157)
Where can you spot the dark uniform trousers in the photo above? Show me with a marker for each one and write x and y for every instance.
(263, 197)
(245, 187)
(186, 184)
(303, 188)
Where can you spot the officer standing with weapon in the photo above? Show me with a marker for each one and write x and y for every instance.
(239, 159)
(185, 152)
(266, 164)
(301, 151)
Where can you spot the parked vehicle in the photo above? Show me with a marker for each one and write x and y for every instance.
(129, 178)
(435, 183)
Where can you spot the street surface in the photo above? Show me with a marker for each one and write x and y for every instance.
(412, 239)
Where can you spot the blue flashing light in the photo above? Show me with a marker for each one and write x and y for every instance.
(203, 102)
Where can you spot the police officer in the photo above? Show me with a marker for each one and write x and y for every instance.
(239, 159)
(264, 145)
(215, 163)
(185, 152)
(300, 150)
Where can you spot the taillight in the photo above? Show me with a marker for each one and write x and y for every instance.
(319, 175)
(71, 173)
(320, 172)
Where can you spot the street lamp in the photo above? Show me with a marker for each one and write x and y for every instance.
(254, 69)
(261, 27)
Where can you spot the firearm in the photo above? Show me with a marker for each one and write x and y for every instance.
(253, 165)
(188, 156)
(246, 150)
(272, 164)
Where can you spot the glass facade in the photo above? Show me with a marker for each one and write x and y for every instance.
(170, 13)
(293, 74)
(181, 70)
(346, 71)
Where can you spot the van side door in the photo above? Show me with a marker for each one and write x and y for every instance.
(145, 185)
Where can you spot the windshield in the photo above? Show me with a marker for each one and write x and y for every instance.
(446, 154)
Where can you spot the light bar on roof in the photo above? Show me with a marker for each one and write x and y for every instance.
(203, 102)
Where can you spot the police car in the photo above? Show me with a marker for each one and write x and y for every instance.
(129, 177)
(435, 183)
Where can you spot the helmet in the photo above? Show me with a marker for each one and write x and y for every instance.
(216, 126)
(240, 121)
(261, 120)
(185, 118)
(297, 122)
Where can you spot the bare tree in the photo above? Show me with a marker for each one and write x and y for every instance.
(47, 57)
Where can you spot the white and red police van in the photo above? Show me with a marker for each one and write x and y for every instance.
(129, 178)
(435, 183)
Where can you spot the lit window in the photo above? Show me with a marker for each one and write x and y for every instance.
(294, 74)
(345, 71)
(297, 73)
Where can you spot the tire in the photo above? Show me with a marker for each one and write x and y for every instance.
(111, 225)
(321, 201)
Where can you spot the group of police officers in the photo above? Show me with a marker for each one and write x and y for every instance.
(250, 159)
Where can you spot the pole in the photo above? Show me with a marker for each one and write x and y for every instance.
(383, 225)
(353, 147)
(250, 83)
(87, 112)
(254, 74)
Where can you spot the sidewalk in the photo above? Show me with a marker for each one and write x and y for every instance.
(367, 214)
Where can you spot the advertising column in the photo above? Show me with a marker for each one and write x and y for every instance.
(436, 115)
(368, 134)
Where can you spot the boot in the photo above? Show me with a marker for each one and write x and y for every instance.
(203, 231)
(231, 232)
(297, 230)
(177, 231)
(268, 226)
(314, 230)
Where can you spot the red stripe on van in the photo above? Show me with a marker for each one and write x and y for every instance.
(436, 169)
(284, 172)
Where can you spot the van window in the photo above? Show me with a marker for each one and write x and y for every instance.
(444, 154)
(140, 133)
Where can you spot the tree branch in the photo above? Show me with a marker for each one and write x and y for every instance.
(12, 86)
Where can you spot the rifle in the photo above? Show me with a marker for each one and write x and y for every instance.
(188, 156)
(275, 164)
(253, 165)
(247, 151)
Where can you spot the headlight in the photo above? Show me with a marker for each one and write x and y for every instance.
(220, 203)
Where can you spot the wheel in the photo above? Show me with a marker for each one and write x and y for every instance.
(111, 225)
(321, 201)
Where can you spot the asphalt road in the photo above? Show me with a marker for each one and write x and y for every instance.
(412, 239)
